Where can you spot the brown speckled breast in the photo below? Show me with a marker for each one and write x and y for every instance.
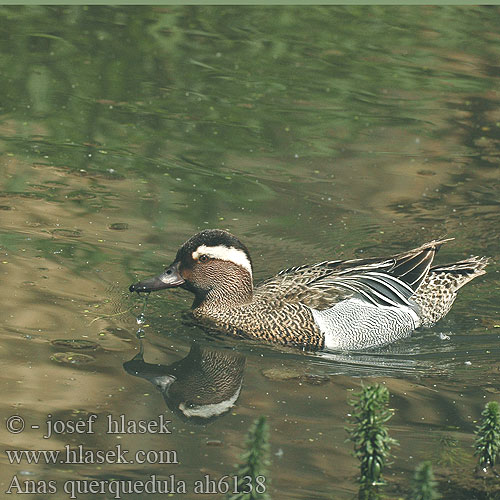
(286, 324)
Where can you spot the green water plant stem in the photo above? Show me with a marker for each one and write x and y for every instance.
(369, 434)
(487, 442)
(253, 482)
(424, 486)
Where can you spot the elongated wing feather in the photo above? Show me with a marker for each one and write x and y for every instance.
(381, 281)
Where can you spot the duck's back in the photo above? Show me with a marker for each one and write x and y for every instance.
(361, 303)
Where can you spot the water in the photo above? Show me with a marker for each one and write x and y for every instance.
(141, 319)
(310, 133)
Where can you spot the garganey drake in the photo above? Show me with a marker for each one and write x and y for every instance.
(335, 304)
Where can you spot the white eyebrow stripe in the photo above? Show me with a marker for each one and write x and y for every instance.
(221, 252)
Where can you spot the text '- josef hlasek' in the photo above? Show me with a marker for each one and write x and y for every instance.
(120, 425)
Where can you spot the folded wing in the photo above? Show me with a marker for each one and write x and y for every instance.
(386, 282)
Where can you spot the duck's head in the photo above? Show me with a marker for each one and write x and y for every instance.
(212, 264)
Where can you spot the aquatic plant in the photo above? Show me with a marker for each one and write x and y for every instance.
(369, 434)
(449, 453)
(252, 479)
(424, 486)
(487, 442)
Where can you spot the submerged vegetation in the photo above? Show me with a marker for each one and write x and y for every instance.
(253, 481)
(370, 436)
(449, 453)
(424, 486)
(372, 445)
(488, 436)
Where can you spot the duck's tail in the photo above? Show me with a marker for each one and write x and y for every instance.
(412, 267)
(438, 290)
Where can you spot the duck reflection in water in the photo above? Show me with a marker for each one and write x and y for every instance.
(201, 387)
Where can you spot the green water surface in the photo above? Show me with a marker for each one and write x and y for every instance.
(311, 133)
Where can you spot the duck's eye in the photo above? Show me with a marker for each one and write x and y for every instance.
(204, 258)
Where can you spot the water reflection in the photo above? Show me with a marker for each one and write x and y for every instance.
(384, 364)
(200, 387)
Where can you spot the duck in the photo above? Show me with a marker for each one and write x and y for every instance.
(339, 305)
